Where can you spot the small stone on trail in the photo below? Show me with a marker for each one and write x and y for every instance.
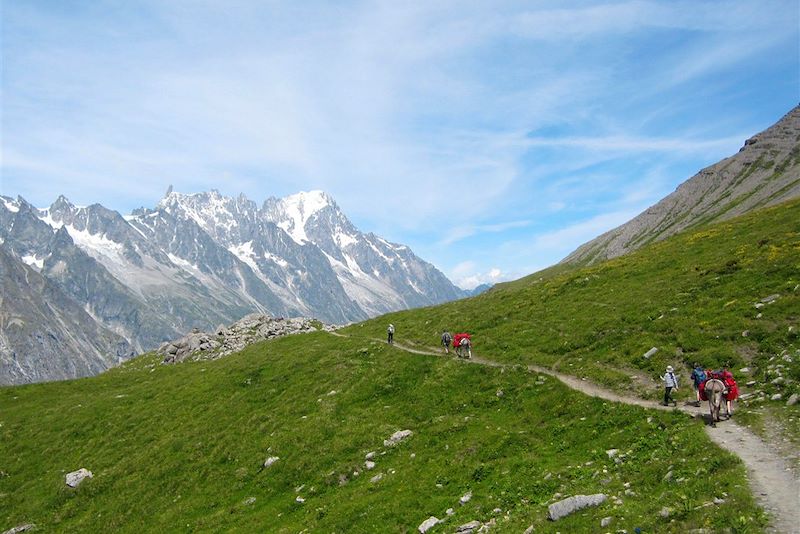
(605, 521)
(20, 528)
(368, 465)
(751, 383)
(428, 524)
(744, 370)
(718, 501)
(248, 501)
(499, 393)
(300, 500)
(465, 498)
(376, 478)
(665, 512)
(76, 477)
(369, 456)
(792, 400)
(271, 460)
(668, 476)
(612, 452)
(776, 397)
(449, 511)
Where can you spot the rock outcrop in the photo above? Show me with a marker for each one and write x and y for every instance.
(253, 328)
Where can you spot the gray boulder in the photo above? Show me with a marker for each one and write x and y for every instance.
(792, 400)
(428, 524)
(76, 477)
(397, 437)
(572, 504)
(650, 353)
(468, 528)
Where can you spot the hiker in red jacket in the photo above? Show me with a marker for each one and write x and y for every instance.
(733, 389)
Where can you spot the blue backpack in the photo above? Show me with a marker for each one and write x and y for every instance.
(699, 376)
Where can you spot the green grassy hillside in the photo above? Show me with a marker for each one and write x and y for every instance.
(696, 297)
(181, 448)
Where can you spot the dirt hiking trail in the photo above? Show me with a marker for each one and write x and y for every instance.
(775, 486)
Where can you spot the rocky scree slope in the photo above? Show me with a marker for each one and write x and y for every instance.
(765, 172)
(44, 334)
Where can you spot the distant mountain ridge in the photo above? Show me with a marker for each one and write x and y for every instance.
(198, 260)
(765, 172)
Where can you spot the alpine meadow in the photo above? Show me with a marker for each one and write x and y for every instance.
(183, 447)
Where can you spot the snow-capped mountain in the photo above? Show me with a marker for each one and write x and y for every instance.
(197, 260)
(380, 276)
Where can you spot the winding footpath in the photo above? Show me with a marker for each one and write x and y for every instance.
(774, 485)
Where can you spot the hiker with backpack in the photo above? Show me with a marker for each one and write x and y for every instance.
(698, 378)
(732, 389)
(446, 339)
(670, 383)
(390, 334)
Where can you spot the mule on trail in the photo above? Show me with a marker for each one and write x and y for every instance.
(463, 345)
(715, 390)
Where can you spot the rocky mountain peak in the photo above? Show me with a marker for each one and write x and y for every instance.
(11, 204)
(218, 215)
(61, 206)
(293, 213)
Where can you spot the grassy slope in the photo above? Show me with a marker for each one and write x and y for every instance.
(692, 296)
(178, 448)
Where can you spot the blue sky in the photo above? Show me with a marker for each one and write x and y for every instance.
(492, 137)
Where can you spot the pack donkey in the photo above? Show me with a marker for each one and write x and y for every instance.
(715, 393)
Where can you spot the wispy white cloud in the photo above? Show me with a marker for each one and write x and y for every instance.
(564, 240)
(467, 276)
(461, 232)
(631, 145)
(513, 129)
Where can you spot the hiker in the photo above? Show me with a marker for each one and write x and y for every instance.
(670, 383)
(446, 339)
(732, 389)
(390, 332)
(698, 377)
